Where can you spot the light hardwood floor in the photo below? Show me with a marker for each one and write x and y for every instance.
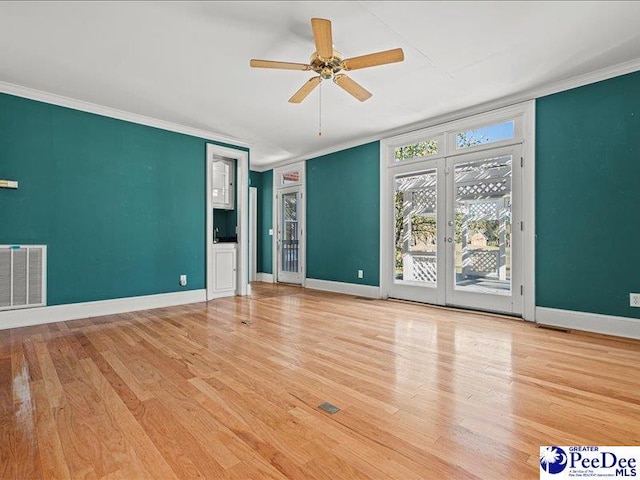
(230, 389)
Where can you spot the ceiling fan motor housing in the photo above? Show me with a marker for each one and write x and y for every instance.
(326, 68)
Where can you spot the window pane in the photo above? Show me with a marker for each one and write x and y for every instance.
(415, 228)
(416, 150)
(290, 177)
(290, 242)
(483, 226)
(482, 136)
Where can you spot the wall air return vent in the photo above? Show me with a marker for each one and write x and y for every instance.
(23, 273)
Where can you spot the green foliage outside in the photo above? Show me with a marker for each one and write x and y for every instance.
(423, 227)
(420, 149)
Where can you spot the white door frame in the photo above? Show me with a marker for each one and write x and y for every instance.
(242, 184)
(278, 184)
(524, 116)
(253, 230)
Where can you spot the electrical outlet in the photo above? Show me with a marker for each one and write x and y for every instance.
(634, 299)
(183, 280)
(271, 231)
(360, 274)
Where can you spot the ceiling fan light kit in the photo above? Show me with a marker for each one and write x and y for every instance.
(328, 62)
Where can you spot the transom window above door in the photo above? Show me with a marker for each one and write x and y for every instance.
(485, 135)
(455, 138)
(290, 177)
(427, 148)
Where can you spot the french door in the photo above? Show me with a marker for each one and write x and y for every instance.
(288, 235)
(455, 236)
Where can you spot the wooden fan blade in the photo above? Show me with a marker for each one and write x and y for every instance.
(306, 89)
(352, 87)
(323, 37)
(373, 59)
(282, 65)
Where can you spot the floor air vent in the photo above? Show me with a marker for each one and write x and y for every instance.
(327, 407)
(23, 271)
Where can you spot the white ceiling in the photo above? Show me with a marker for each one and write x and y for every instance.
(188, 62)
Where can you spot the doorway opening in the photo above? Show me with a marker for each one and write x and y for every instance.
(289, 213)
(227, 222)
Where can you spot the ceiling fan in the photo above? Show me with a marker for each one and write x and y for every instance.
(327, 63)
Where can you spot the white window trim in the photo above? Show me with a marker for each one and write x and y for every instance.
(524, 116)
(280, 171)
(446, 135)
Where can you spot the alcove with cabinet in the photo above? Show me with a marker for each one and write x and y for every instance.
(222, 179)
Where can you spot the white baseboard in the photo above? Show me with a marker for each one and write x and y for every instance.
(228, 293)
(264, 277)
(590, 322)
(346, 288)
(75, 311)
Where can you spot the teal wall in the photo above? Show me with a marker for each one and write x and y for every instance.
(587, 197)
(265, 222)
(263, 181)
(343, 215)
(255, 179)
(119, 205)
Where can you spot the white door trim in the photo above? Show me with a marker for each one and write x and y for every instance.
(242, 184)
(529, 213)
(253, 229)
(277, 186)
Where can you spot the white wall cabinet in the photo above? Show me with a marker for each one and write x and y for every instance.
(224, 270)
(222, 193)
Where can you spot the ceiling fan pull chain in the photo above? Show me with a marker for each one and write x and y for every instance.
(320, 112)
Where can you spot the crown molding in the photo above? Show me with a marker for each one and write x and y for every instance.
(62, 101)
(544, 90)
(261, 168)
(531, 94)
(586, 79)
